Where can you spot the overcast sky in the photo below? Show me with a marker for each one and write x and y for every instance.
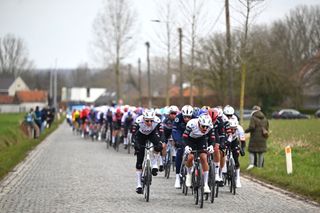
(60, 31)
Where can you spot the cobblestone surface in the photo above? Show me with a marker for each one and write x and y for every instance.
(68, 174)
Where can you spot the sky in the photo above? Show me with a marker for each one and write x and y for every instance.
(59, 33)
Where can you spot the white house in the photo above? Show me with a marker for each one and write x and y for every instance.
(9, 86)
(81, 94)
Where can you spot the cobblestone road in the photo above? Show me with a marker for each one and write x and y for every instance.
(68, 174)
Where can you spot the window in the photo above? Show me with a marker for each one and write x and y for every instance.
(88, 92)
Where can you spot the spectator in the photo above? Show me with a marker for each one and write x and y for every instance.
(37, 118)
(44, 113)
(31, 125)
(258, 138)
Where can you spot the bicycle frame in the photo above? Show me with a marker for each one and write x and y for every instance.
(146, 170)
(231, 178)
(197, 178)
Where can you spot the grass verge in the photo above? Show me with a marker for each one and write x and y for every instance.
(14, 144)
(304, 138)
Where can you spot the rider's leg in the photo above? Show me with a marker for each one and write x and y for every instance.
(155, 138)
(205, 168)
(189, 164)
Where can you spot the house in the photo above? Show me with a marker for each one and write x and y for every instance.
(22, 101)
(9, 86)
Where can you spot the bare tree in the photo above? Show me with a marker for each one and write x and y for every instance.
(113, 30)
(166, 17)
(196, 16)
(13, 56)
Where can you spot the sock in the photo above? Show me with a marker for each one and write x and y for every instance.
(155, 160)
(160, 161)
(138, 177)
(125, 141)
(205, 177)
(189, 170)
(113, 139)
(217, 165)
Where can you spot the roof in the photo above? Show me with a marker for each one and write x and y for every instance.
(32, 96)
(5, 83)
(6, 99)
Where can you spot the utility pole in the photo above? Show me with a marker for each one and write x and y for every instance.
(168, 67)
(149, 78)
(228, 54)
(51, 88)
(139, 81)
(180, 67)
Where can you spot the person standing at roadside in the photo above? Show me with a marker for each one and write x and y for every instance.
(258, 129)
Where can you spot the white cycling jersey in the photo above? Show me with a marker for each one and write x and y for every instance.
(143, 128)
(194, 130)
(239, 133)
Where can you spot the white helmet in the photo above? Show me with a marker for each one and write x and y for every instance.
(220, 111)
(173, 108)
(148, 114)
(205, 120)
(233, 123)
(187, 110)
(228, 110)
(157, 111)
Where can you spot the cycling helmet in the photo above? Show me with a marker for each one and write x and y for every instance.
(173, 109)
(196, 111)
(158, 111)
(126, 108)
(118, 111)
(214, 114)
(205, 120)
(228, 110)
(187, 110)
(148, 114)
(233, 123)
(205, 107)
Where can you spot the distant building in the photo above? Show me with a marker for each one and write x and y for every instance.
(23, 101)
(9, 86)
(81, 94)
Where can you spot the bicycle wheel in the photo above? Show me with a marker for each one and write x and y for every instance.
(201, 185)
(183, 173)
(117, 142)
(233, 177)
(147, 180)
(168, 165)
(195, 186)
(212, 182)
(108, 138)
(129, 142)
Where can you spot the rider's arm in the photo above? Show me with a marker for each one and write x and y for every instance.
(176, 133)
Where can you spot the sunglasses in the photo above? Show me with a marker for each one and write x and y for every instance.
(173, 113)
(188, 117)
(148, 121)
(204, 127)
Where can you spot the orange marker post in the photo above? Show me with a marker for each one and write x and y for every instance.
(288, 159)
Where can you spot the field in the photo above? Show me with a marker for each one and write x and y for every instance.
(303, 136)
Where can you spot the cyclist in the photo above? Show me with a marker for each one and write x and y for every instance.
(116, 125)
(228, 113)
(167, 128)
(197, 132)
(126, 124)
(178, 128)
(146, 127)
(219, 147)
(236, 135)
